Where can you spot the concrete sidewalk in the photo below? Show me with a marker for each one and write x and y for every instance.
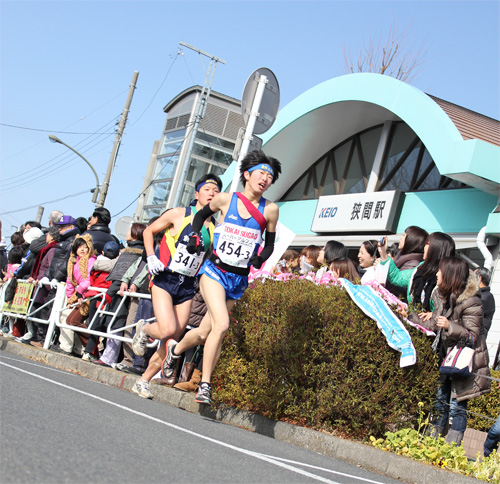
(356, 453)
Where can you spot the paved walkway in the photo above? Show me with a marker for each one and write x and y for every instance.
(357, 453)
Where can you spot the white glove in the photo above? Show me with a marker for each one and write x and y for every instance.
(44, 281)
(54, 283)
(155, 265)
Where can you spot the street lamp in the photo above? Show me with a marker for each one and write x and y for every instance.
(55, 139)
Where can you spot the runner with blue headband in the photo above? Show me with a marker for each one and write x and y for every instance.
(262, 166)
(173, 272)
(224, 276)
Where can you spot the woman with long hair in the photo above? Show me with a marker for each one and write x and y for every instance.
(411, 253)
(420, 281)
(309, 259)
(344, 267)
(331, 251)
(367, 255)
(457, 315)
(411, 248)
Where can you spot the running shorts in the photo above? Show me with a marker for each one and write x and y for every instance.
(181, 288)
(233, 284)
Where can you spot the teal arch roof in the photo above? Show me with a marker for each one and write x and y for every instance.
(354, 99)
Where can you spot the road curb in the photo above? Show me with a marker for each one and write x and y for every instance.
(357, 453)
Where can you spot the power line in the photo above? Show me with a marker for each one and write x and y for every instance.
(48, 165)
(161, 85)
(69, 125)
(45, 203)
(45, 175)
(45, 130)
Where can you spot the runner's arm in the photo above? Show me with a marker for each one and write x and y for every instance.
(258, 260)
(162, 223)
(195, 243)
(271, 213)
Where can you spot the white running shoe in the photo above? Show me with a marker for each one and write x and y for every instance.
(141, 387)
(140, 339)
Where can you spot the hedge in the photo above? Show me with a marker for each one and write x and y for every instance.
(304, 353)
(486, 405)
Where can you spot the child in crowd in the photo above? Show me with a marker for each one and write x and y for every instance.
(13, 262)
(289, 262)
(309, 259)
(345, 268)
(80, 264)
(98, 278)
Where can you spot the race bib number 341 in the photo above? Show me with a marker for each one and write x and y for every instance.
(185, 263)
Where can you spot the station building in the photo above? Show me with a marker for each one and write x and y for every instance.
(184, 154)
(366, 155)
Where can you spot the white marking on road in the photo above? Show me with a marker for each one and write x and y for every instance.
(322, 469)
(56, 370)
(277, 461)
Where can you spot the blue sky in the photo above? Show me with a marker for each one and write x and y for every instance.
(65, 67)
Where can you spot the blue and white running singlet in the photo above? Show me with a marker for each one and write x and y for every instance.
(237, 239)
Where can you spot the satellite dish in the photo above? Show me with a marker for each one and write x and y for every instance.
(270, 100)
(122, 225)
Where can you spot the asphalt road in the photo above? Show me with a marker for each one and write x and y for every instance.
(60, 427)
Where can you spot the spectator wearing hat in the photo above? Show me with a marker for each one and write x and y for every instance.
(40, 267)
(57, 271)
(29, 257)
(98, 228)
(23, 271)
(40, 242)
(68, 230)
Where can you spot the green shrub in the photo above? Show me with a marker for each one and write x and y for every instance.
(419, 445)
(487, 405)
(307, 354)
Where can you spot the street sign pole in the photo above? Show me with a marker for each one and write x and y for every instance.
(253, 115)
(259, 107)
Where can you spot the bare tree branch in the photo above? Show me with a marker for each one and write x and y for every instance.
(396, 57)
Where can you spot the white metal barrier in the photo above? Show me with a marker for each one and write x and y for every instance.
(59, 305)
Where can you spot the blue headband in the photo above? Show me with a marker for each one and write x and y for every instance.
(210, 180)
(262, 166)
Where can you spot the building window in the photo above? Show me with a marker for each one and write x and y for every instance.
(344, 169)
(172, 142)
(158, 192)
(165, 167)
(407, 166)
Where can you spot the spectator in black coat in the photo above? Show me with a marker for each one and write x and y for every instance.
(30, 236)
(98, 228)
(58, 267)
(487, 299)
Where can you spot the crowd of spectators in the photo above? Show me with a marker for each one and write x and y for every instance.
(422, 269)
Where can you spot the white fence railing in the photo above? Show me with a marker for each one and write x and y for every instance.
(58, 303)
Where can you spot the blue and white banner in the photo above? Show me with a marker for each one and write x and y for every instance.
(372, 304)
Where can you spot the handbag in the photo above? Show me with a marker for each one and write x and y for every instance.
(10, 290)
(460, 359)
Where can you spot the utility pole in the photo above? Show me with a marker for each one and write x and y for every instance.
(118, 140)
(201, 107)
(39, 214)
